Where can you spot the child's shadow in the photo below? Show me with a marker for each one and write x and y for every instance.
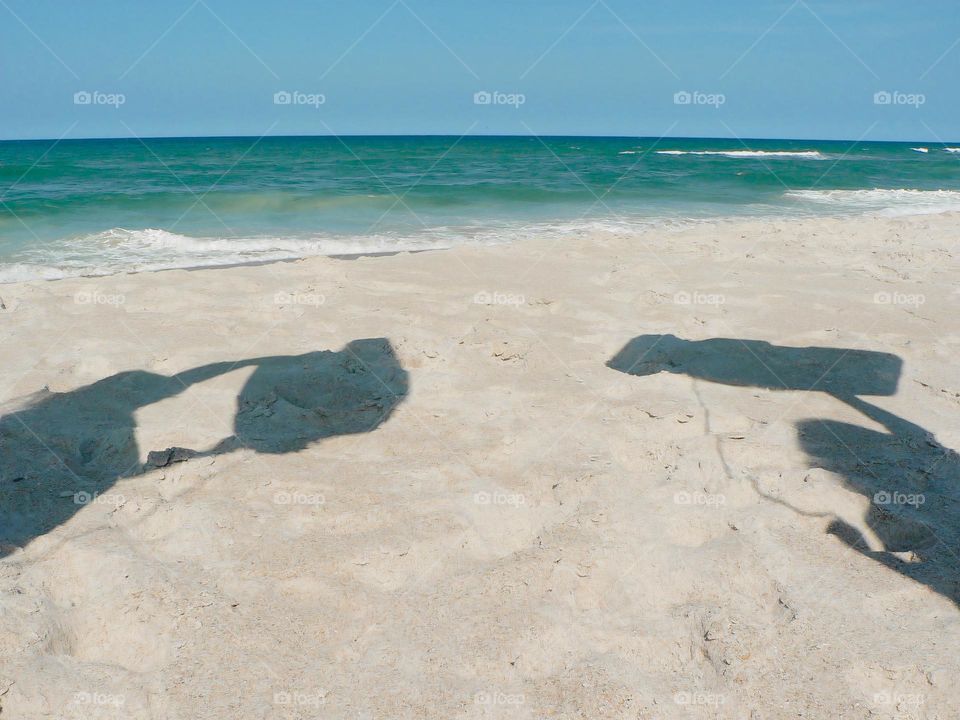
(59, 451)
(909, 477)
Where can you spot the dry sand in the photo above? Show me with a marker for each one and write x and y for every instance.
(492, 482)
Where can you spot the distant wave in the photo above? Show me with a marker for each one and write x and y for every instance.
(921, 149)
(809, 154)
(885, 202)
(953, 150)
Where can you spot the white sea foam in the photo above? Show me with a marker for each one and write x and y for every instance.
(921, 149)
(884, 202)
(21, 272)
(808, 154)
(121, 251)
(953, 150)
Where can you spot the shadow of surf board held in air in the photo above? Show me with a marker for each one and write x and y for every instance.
(905, 461)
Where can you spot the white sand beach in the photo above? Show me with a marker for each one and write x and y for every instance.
(706, 473)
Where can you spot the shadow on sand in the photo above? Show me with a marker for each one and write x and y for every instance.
(59, 450)
(910, 478)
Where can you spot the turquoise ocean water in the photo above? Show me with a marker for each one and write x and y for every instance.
(103, 206)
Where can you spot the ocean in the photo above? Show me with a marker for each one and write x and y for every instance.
(94, 207)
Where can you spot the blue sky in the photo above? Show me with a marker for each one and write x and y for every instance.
(752, 68)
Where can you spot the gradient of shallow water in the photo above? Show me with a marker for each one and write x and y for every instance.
(99, 206)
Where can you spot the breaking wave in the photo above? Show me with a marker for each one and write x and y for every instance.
(807, 154)
(885, 202)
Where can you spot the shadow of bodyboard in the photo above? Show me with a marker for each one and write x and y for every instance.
(292, 401)
(755, 363)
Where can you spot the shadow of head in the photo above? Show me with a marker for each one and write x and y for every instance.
(291, 401)
(755, 363)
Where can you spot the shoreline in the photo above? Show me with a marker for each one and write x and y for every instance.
(250, 263)
(668, 225)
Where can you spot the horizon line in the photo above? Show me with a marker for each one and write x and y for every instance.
(471, 135)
